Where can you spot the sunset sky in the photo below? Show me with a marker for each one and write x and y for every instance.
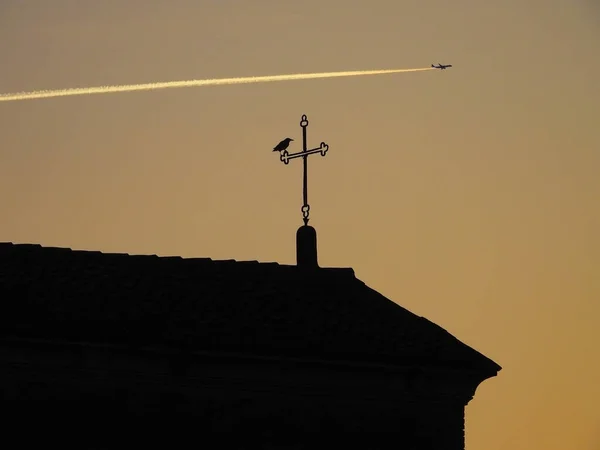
(469, 196)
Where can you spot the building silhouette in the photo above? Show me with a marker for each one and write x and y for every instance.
(172, 351)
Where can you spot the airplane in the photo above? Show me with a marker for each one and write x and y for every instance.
(441, 66)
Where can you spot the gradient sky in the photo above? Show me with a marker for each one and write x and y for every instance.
(469, 196)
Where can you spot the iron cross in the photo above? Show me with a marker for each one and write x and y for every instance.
(285, 157)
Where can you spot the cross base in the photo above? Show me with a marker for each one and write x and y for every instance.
(306, 247)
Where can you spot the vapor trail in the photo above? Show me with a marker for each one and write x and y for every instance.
(193, 83)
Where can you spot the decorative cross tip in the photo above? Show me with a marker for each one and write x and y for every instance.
(305, 213)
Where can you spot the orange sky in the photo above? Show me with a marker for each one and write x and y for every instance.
(468, 196)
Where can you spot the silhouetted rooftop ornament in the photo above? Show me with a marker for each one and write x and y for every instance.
(306, 237)
(285, 157)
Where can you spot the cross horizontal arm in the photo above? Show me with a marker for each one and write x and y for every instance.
(285, 156)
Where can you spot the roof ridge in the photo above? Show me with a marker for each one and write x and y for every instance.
(131, 255)
(165, 258)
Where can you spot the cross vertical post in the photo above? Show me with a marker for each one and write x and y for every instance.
(305, 205)
(285, 157)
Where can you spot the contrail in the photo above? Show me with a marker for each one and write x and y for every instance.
(193, 83)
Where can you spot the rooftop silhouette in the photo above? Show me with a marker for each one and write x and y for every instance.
(238, 307)
(269, 352)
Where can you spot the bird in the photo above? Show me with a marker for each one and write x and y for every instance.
(282, 145)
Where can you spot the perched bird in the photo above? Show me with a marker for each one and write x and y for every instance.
(282, 145)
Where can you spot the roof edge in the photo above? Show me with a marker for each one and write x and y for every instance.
(64, 250)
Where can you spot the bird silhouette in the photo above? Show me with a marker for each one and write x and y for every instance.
(282, 145)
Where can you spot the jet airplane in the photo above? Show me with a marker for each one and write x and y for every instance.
(441, 66)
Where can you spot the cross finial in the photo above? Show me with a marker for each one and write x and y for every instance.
(285, 157)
